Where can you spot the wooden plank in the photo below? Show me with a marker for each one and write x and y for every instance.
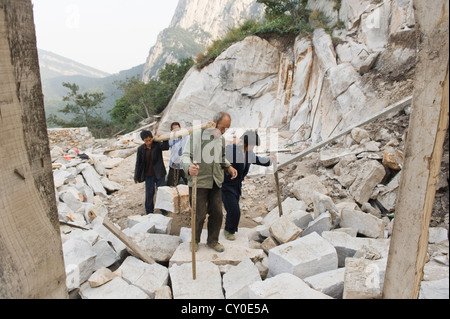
(423, 153)
(140, 253)
(395, 107)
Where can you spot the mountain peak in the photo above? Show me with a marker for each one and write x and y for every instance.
(53, 65)
(195, 25)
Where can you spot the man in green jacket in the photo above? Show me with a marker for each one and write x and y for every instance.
(207, 148)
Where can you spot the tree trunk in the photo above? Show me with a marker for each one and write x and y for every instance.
(31, 257)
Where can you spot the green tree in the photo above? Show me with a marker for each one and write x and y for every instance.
(142, 100)
(292, 11)
(82, 112)
(82, 107)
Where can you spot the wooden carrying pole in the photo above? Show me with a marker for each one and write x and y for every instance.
(423, 153)
(128, 241)
(184, 132)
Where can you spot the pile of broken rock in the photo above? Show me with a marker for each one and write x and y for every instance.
(294, 256)
(319, 248)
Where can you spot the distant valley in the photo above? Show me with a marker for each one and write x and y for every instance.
(56, 70)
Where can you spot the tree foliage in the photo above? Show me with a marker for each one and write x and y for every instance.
(82, 108)
(282, 17)
(139, 101)
(292, 11)
(142, 100)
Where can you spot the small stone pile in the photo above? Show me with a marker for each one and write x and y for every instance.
(81, 174)
(68, 138)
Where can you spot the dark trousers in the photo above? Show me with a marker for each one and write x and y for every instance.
(173, 178)
(151, 184)
(231, 204)
(209, 201)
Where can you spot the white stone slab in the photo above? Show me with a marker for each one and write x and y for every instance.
(115, 289)
(284, 230)
(160, 247)
(284, 286)
(438, 289)
(364, 279)
(238, 278)
(330, 282)
(208, 283)
(106, 256)
(149, 278)
(365, 223)
(303, 257)
(79, 260)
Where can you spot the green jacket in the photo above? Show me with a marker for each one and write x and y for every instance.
(209, 153)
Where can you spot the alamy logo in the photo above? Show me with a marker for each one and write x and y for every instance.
(373, 278)
(207, 146)
(73, 16)
(373, 20)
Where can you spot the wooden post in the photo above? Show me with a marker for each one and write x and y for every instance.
(31, 256)
(193, 222)
(423, 153)
(277, 185)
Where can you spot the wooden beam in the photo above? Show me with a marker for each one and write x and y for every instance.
(423, 153)
(140, 253)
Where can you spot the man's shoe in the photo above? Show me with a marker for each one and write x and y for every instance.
(229, 236)
(217, 247)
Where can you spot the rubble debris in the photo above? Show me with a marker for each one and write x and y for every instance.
(332, 230)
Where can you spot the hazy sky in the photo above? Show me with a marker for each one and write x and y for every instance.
(109, 35)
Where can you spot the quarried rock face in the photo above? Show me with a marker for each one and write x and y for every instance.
(316, 88)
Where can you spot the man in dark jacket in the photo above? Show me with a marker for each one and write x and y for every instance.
(150, 168)
(241, 156)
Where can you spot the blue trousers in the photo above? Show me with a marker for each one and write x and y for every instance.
(151, 184)
(231, 204)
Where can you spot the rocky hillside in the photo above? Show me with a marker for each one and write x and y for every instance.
(195, 25)
(316, 85)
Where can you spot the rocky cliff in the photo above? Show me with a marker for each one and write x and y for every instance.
(195, 25)
(317, 86)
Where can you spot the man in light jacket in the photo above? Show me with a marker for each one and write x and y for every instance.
(207, 147)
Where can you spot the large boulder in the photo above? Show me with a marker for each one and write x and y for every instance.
(303, 257)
